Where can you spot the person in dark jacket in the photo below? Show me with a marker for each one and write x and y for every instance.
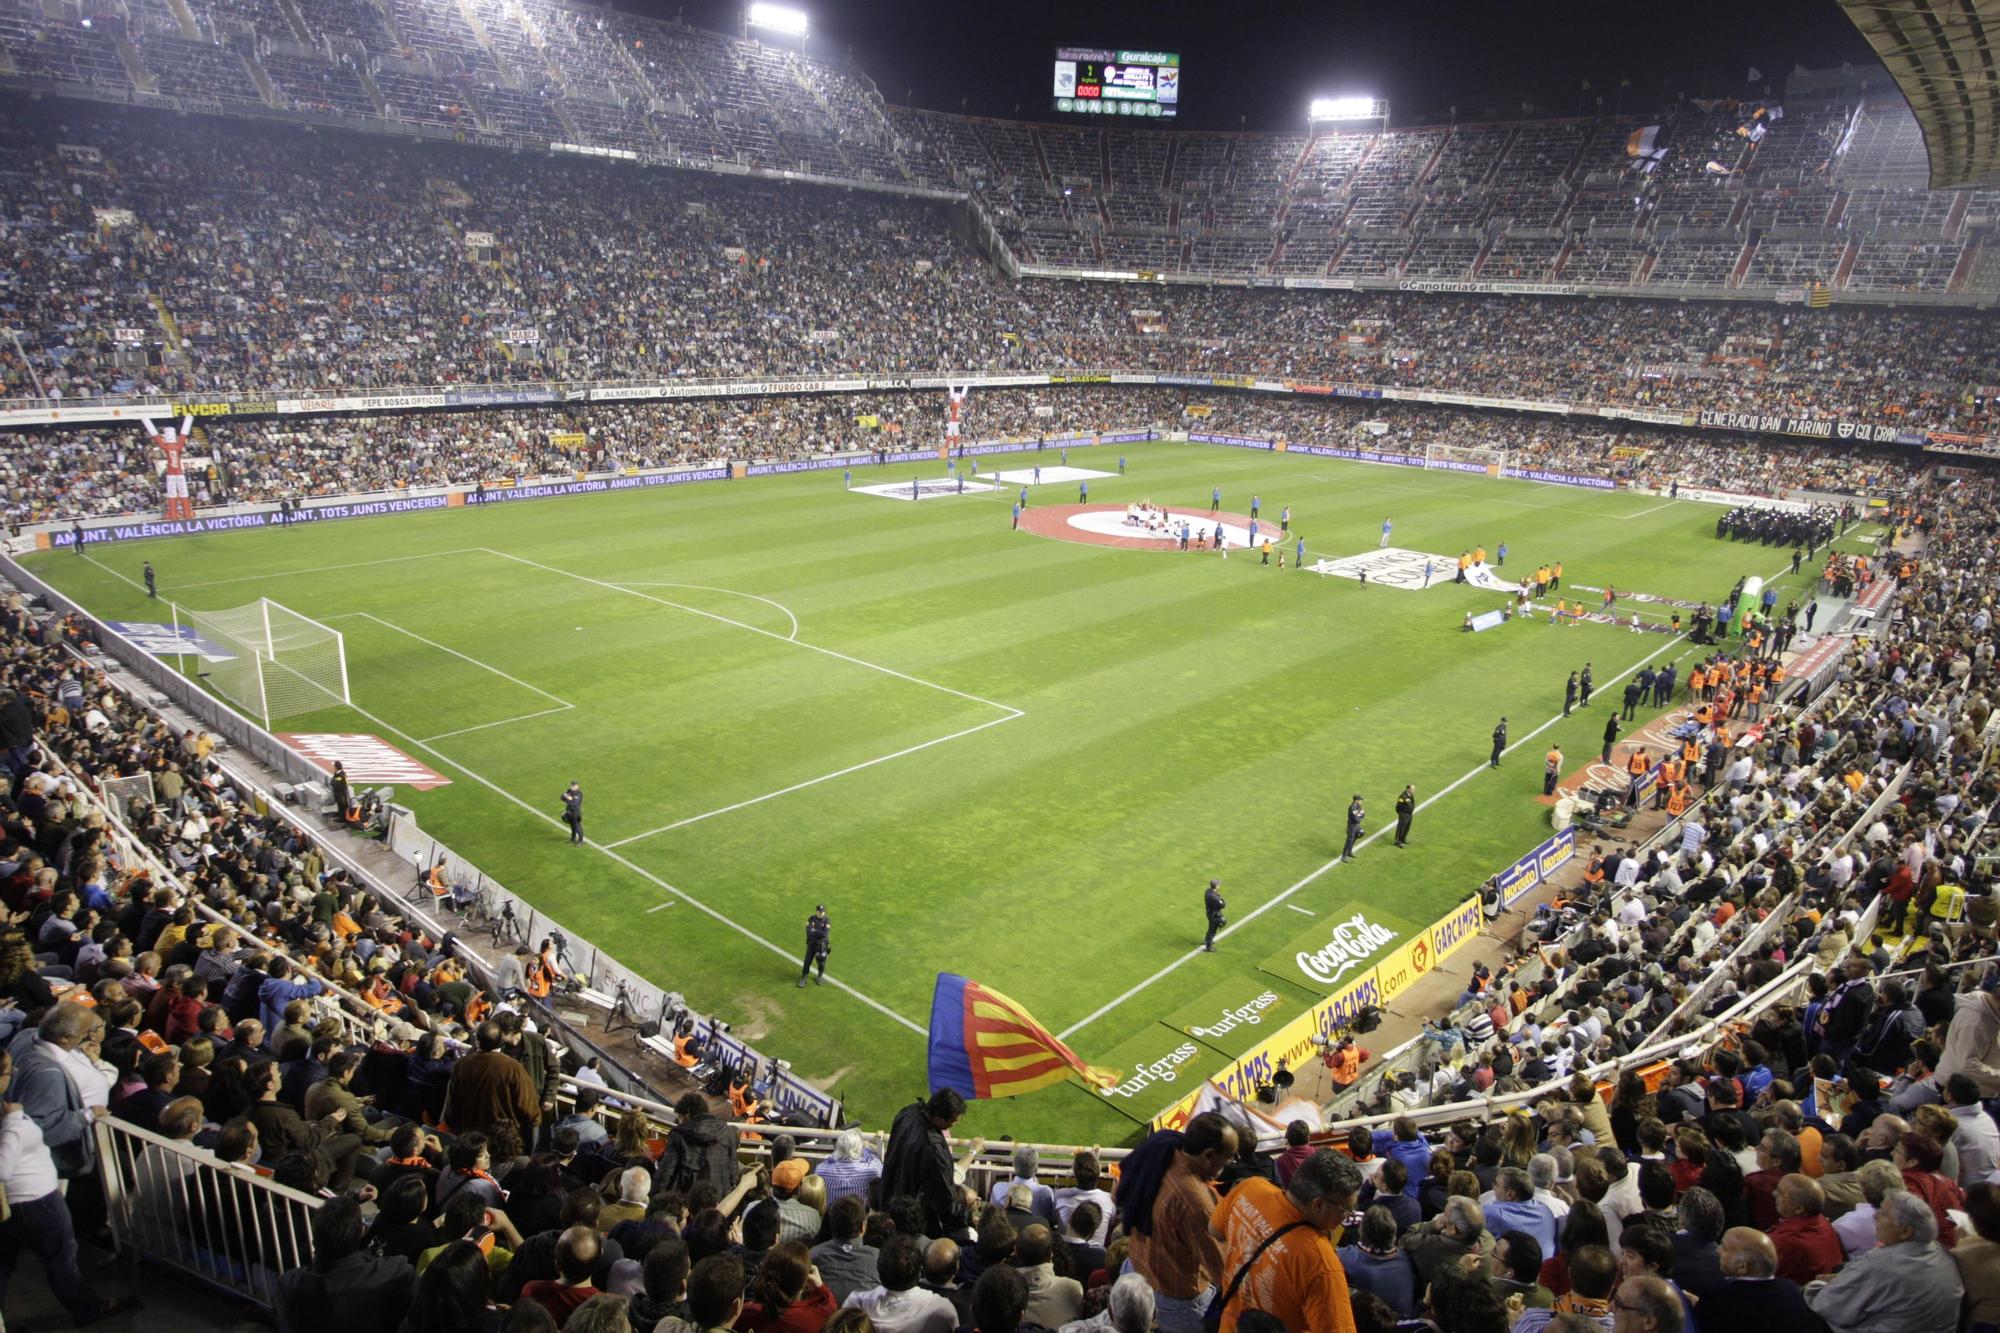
(1845, 1015)
(918, 1162)
(345, 1287)
(17, 732)
(280, 1129)
(701, 1149)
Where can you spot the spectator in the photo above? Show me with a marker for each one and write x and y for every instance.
(1977, 1139)
(1166, 1199)
(1807, 1247)
(1856, 1227)
(490, 1087)
(344, 1287)
(1515, 1208)
(37, 1219)
(577, 1254)
(786, 1294)
(1447, 1238)
(1374, 1263)
(451, 1294)
(899, 1305)
(846, 1263)
(1518, 1258)
(1647, 1304)
(1052, 1300)
(1298, 1147)
(852, 1168)
(1907, 1284)
(918, 1161)
(1917, 1156)
(1978, 1256)
(1593, 1274)
(1753, 1298)
(1042, 1199)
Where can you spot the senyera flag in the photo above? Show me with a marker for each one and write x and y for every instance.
(985, 1045)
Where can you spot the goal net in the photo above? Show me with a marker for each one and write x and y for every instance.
(1465, 458)
(276, 663)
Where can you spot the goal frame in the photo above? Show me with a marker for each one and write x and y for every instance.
(264, 653)
(1492, 461)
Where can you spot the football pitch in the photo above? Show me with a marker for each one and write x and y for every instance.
(985, 751)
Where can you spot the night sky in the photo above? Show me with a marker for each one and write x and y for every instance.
(1255, 65)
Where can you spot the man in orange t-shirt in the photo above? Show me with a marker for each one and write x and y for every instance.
(1297, 1279)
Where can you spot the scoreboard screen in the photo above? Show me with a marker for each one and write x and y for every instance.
(1117, 83)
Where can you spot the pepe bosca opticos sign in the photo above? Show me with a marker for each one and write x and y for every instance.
(1353, 942)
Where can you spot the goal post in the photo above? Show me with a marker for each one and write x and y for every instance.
(270, 660)
(1466, 458)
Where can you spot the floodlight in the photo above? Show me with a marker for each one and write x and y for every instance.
(791, 22)
(1347, 108)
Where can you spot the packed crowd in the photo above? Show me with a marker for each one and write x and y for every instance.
(276, 260)
(55, 474)
(1837, 1157)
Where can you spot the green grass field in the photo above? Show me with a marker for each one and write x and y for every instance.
(986, 752)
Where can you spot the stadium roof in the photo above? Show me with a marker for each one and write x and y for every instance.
(1942, 55)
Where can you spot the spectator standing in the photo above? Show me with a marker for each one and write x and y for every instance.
(490, 1087)
(701, 1149)
(1166, 1199)
(37, 1218)
(1279, 1256)
(918, 1161)
(1085, 1171)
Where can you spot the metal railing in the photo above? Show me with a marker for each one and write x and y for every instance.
(180, 1208)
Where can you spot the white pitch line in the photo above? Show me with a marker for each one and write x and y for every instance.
(813, 782)
(659, 907)
(1311, 876)
(754, 629)
(518, 717)
(1233, 927)
(329, 569)
(1307, 910)
(1643, 512)
(703, 587)
(463, 657)
(112, 572)
(639, 870)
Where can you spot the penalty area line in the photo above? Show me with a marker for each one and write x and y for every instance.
(814, 782)
(681, 894)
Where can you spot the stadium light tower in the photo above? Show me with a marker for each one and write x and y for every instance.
(778, 18)
(1347, 110)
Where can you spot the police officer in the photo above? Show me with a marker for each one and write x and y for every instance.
(151, 590)
(1569, 694)
(572, 815)
(1406, 810)
(1355, 815)
(1499, 742)
(1212, 904)
(819, 943)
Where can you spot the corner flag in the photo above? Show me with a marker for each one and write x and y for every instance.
(984, 1045)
